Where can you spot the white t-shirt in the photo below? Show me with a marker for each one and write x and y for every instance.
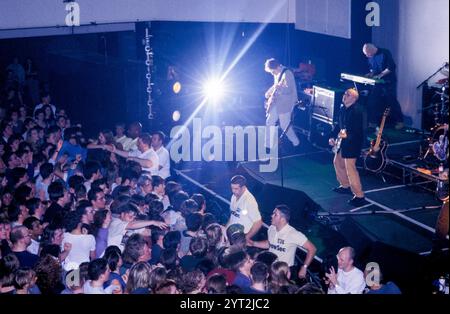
(149, 154)
(88, 289)
(124, 141)
(87, 185)
(351, 282)
(284, 243)
(41, 186)
(174, 219)
(82, 245)
(164, 199)
(130, 145)
(116, 231)
(244, 211)
(164, 162)
(33, 248)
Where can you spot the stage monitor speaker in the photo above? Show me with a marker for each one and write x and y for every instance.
(326, 103)
(302, 206)
(320, 133)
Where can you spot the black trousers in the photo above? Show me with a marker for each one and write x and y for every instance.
(381, 97)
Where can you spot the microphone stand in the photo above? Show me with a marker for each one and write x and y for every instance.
(428, 78)
(281, 139)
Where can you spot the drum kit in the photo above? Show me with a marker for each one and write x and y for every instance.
(438, 140)
(437, 154)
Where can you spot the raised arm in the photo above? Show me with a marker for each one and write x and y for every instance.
(138, 224)
(143, 162)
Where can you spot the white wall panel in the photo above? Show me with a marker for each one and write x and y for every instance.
(330, 17)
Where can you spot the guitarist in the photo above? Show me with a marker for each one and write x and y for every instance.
(280, 100)
(350, 130)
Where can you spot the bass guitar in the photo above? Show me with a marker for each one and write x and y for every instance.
(338, 141)
(375, 160)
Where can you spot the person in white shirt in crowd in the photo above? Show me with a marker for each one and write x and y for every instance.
(46, 175)
(61, 122)
(35, 208)
(45, 100)
(244, 208)
(145, 185)
(127, 221)
(159, 189)
(283, 240)
(134, 132)
(348, 279)
(163, 154)
(91, 173)
(121, 138)
(82, 245)
(97, 198)
(145, 156)
(98, 272)
(34, 225)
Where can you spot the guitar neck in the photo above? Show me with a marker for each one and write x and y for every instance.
(380, 132)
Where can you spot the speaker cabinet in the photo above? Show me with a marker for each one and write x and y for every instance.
(326, 104)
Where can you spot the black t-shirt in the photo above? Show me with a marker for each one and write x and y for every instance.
(54, 215)
(381, 61)
(351, 119)
(189, 262)
(26, 259)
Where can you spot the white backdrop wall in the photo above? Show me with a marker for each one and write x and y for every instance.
(47, 13)
(417, 33)
(330, 17)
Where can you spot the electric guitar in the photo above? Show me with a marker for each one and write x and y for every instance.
(338, 141)
(272, 93)
(268, 103)
(375, 160)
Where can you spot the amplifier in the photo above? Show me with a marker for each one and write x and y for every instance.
(326, 104)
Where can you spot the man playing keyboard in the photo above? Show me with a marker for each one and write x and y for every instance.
(382, 66)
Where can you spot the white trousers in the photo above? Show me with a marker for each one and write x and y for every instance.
(284, 118)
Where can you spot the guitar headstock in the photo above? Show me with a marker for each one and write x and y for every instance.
(387, 112)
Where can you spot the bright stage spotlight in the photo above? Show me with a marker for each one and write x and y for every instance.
(214, 90)
(176, 115)
(176, 88)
